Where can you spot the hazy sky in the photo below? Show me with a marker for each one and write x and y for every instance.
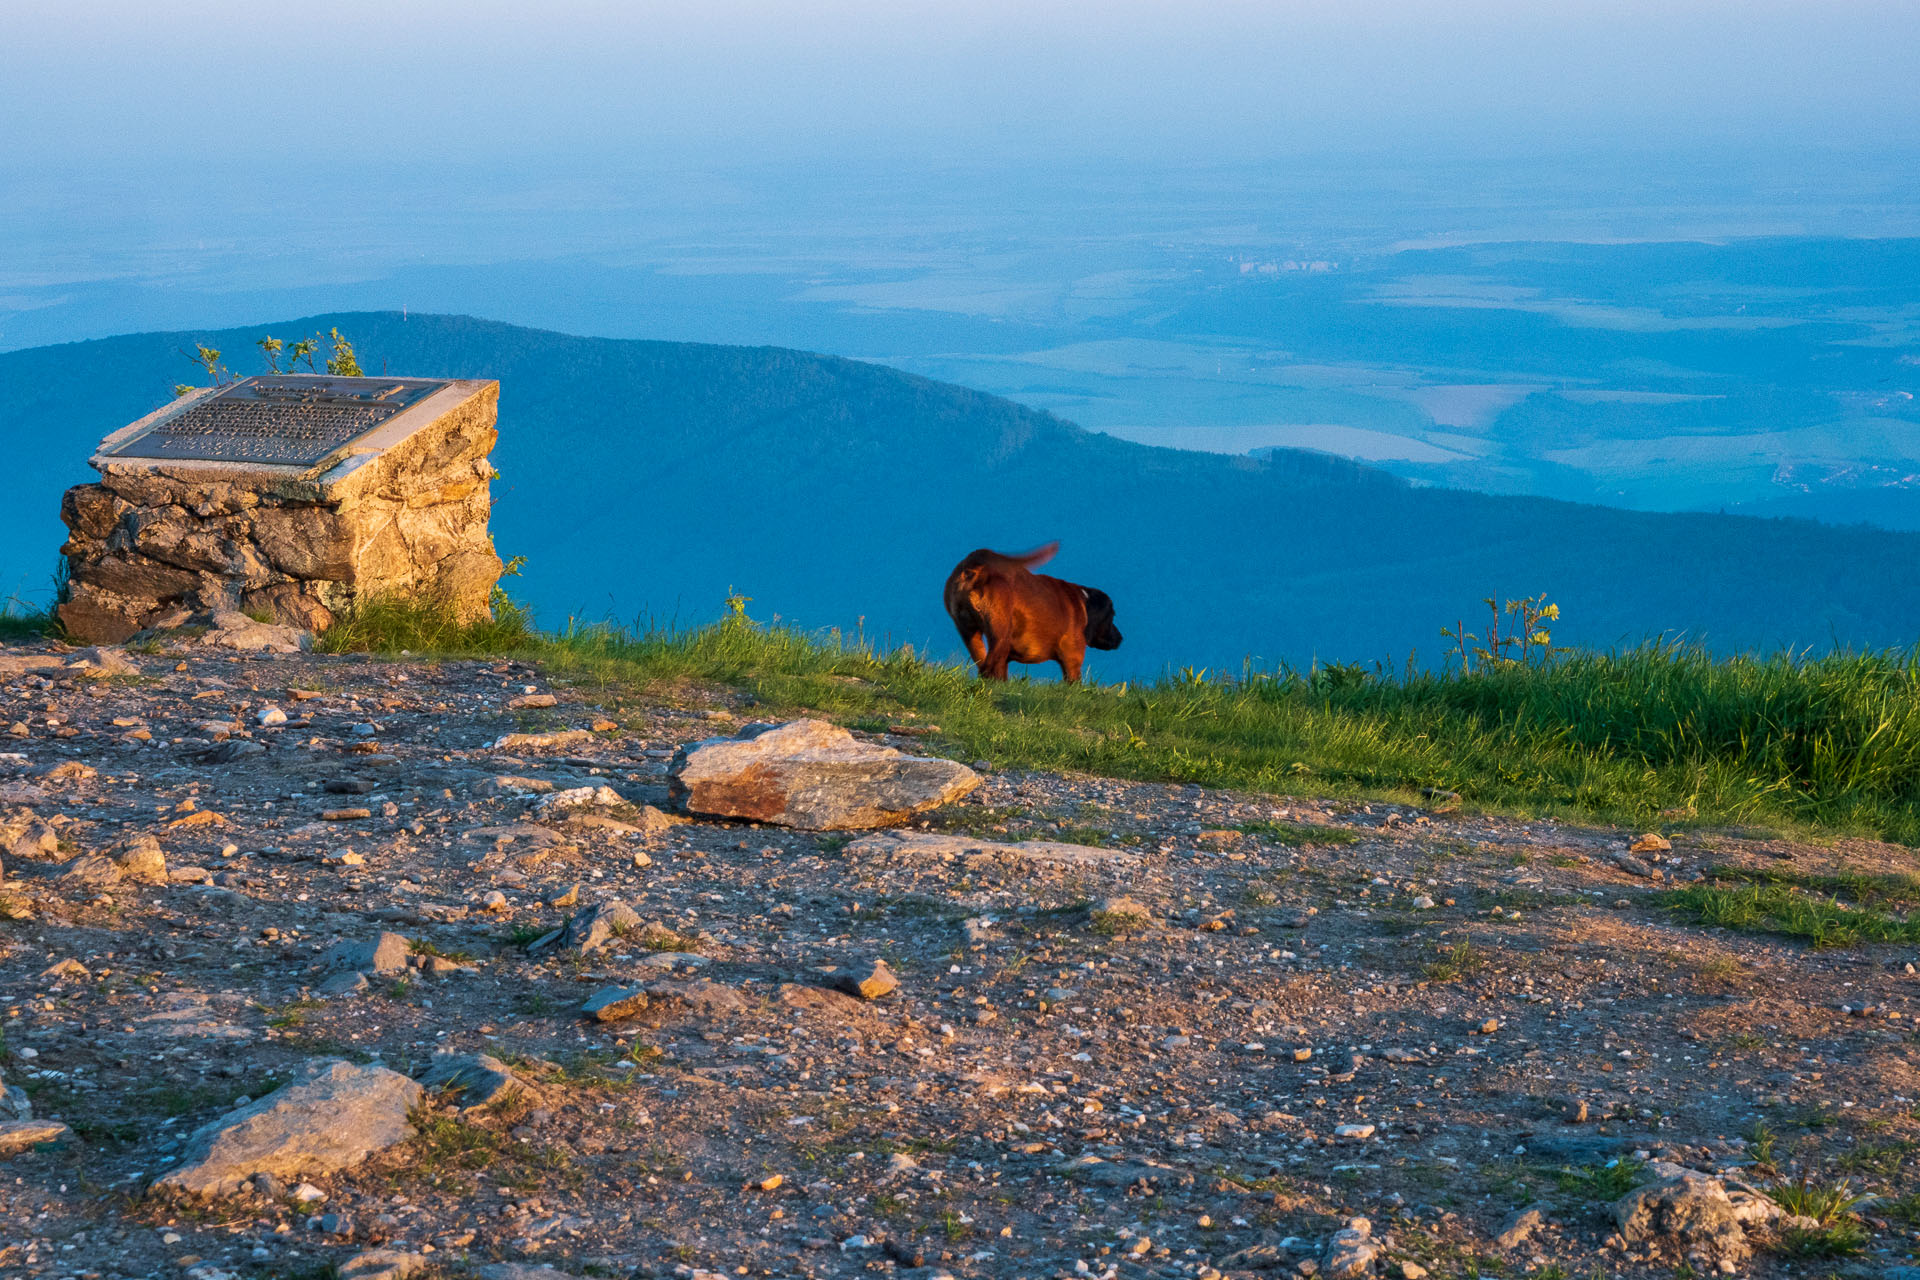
(517, 83)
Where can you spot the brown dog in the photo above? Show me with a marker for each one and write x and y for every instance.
(1007, 613)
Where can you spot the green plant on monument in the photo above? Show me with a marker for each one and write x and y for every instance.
(341, 361)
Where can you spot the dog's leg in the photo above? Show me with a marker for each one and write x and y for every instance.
(1071, 657)
(994, 665)
(976, 643)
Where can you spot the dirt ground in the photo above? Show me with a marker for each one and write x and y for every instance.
(1319, 1010)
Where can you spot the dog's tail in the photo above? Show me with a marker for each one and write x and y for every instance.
(1035, 558)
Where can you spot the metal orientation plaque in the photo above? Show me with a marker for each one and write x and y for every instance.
(278, 420)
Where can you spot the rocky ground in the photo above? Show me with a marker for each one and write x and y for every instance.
(1192, 1032)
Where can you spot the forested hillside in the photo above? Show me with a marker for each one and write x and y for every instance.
(654, 477)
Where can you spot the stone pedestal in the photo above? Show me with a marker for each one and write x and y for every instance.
(295, 496)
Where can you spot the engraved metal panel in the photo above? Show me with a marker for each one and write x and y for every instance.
(283, 420)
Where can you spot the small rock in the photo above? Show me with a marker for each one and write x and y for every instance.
(868, 979)
(1351, 1252)
(140, 858)
(1353, 1132)
(1649, 843)
(612, 1004)
(1518, 1228)
(381, 1264)
(387, 953)
(91, 870)
(541, 741)
(18, 1135)
(267, 717)
(593, 930)
(709, 999)
(238, 631)
(561, 803)
(14, 1103)
(25, 836)
(527, 700)
(521, 1271)
(350, 983)
(479, 1079)
(1574, 1110)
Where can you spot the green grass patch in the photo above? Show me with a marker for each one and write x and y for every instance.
(392, 624)
(447, 1149)
(20, 622)
(1606, 1182)
(1462, 960)
(1790, 911)
(1831, 1206)
(1856, 887)
(1824, 1202)
(1117, 924)
(1297, 833)
(1784, 740)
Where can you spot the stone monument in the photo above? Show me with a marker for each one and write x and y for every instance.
(290, 495)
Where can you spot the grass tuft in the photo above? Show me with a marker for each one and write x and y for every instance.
(1607, 1181)
(20, 622)
(426, 626)
(1463, 960)
(1792, 912)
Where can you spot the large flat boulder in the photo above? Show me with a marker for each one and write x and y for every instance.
(812, 775)
(332, 1116)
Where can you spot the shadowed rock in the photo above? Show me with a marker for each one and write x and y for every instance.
(594, 929)
(332, 1116)
(387, 953)
(479, 1079)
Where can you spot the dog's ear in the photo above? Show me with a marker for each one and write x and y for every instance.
(1101, 633)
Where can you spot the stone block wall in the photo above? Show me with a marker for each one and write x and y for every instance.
(157, 544)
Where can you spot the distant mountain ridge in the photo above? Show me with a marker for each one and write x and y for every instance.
(655, 477)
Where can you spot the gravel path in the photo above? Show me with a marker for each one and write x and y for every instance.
(1201, 1042)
